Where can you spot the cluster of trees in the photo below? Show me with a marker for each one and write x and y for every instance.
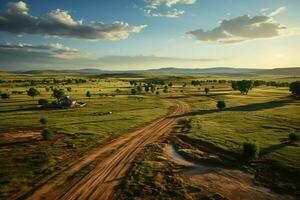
(295, 89)
(138, 88)
(25, 83)
(243, 86)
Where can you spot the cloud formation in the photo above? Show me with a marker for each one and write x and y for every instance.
(17, 19)
(169, 13)
(55, 50)
(162, 8)
(56, 56)
(153, 4)
(242, 28)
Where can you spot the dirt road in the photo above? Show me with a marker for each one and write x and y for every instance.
(100, 182)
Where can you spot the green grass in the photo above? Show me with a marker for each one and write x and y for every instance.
(266, 115)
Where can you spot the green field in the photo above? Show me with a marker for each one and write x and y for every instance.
(267, 115)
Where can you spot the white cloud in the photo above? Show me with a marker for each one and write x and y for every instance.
(170, 13)
(153, 4)
(243, 28)
(16, 19)
(278, 11)
(162, 8)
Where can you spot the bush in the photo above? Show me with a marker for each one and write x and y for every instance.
(43, 120)
(295, 88)
(4, 96)
(221, 105)
(47, 134)
(43, 102)
(250, 150)
(293, 137)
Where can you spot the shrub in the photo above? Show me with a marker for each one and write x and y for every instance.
(221, 105)
(47, 134)
(250, 150)
(43, 120)
(88, 94)
(293, 137)
(4, 96)
(43, 102)
(133, 91)
(295, 88)
(32, 92)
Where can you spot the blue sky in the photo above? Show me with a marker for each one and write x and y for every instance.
(154, 34)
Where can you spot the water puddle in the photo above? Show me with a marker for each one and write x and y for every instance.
(193, 168)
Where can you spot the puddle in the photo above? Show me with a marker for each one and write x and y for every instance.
(193, 168)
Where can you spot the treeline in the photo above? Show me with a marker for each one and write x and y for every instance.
(24, 83)
(255, 83)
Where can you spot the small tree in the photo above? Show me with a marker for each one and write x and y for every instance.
(295, 88)
(58, 93)
(157, 93)
(5, 96)
(43, 102)
(250, 150)
(69, 89)
(206, 90)
(88, 94)
(133, 91)
(32, 92)
(165, 89)
(47, 134)
(43, 121)
(221, 105)
(293, 137)
(170, 84)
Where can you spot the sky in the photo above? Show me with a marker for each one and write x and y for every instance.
(144, 34)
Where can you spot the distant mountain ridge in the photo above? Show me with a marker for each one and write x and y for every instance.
(174, 70)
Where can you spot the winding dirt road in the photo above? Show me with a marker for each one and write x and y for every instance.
(100, 182)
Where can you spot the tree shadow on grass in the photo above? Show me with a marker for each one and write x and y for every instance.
(248, 107)
(273, 148)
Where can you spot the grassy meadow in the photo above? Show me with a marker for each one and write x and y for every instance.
(267, 115)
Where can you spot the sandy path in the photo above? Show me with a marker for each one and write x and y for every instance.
(100, 182)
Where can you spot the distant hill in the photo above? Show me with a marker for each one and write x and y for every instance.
(172, 70)
(215, 70)
(282, 71)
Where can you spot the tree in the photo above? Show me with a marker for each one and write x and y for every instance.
(47, 134)
(133, 91)
(32, 92)
(69, 89)
(234, 85)
(88, 94)
(221, 105)
(58, 93)
(170, 84)
(295, 88)
(157, 93)
(43, 102)
(206, 90)
(146, 88)
(243, 86)
(43, 121)
(5, 96)
(250, 150)
(293, 137)
(165, 89)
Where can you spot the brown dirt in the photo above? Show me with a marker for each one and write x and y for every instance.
(235, 185)
(19, 136)
(101, 181)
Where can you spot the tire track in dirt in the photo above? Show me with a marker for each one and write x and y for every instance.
(100, 182)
